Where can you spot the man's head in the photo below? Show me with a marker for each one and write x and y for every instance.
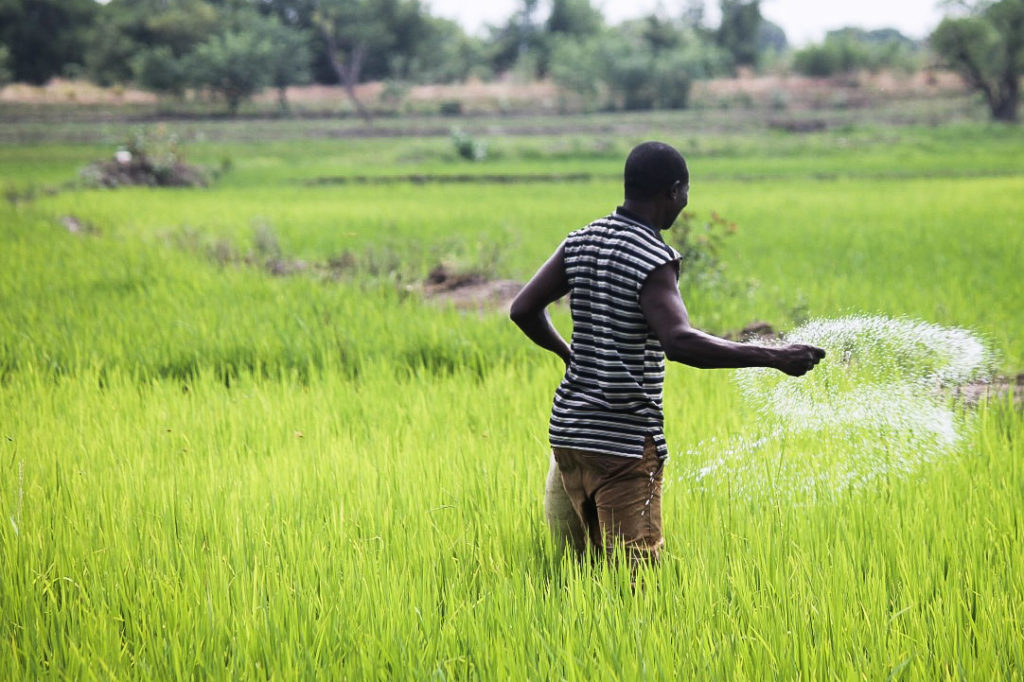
(651, 170)
(656, 177)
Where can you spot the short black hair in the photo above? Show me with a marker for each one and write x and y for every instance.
(651, 170)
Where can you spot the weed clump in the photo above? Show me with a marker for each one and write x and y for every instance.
(153, 160)
(467, 147)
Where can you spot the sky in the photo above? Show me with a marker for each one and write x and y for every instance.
(805, 21)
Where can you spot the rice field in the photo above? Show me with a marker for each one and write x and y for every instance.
(211, 471)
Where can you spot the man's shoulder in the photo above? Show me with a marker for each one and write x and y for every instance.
(627, 231)
(614, 225)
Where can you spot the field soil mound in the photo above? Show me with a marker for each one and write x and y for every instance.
(995, 389)
(139, 170)
(469, 290)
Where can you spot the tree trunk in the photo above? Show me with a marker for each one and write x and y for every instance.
(347, 71)
(1006, 98)
(350, 77)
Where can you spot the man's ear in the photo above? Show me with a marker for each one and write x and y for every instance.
(675, 189)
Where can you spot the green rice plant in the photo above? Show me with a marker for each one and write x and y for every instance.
(283, 529)
(208, 471)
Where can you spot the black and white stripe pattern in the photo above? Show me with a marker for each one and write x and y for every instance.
(610, 398)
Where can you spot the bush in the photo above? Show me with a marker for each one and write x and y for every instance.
(450, 107)
(700, 246)
(160, 71)
(849, 50)
(153, 160)
(633, 71)
(235, 65)
(467, 147)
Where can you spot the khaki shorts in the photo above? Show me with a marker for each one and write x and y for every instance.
(615, 501)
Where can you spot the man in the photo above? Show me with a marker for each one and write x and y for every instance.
(628, 316)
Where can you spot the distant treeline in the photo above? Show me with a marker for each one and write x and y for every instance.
(235, 48)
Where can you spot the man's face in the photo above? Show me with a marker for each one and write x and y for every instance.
(680, 196)
(684, 195)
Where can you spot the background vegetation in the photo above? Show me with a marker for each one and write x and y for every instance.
(215, 466)
(231, 49)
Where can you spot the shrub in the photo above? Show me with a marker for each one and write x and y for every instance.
(700, 246)
(467, 147)
(154, 160)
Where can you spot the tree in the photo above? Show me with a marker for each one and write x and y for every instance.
(987, 49)
(289, 58)
(568, 20)
(129, 29)
(443, 54)
(5, 72)
(516, 39)
(236, 64)
(375, 34)
(574, 18)
(738, 31)
(848, 50)
(43, 37)
(771, 38)
(380, 36)
(648, 63)
(157, 69)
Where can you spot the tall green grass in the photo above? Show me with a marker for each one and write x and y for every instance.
(944, 250)
(390, 527)
(211, 472)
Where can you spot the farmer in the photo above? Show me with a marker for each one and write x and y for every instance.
(627, 314)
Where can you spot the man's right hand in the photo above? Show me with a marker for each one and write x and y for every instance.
(799, 359)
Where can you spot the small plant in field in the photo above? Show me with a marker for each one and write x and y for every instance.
(264, 240)
(699, 244)
(153, 159)
(467, 147)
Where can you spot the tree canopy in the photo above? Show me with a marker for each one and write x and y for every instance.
(235, 48)
(987, 49)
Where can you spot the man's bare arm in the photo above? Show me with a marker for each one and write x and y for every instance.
(666, 315)
(529, 309)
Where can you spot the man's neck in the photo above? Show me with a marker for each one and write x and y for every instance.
(645, 211)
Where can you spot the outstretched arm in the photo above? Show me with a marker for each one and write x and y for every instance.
(667, 317)
(529, 309)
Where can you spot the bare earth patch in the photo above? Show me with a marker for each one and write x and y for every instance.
(469, 291)
(61, 91)
(777, 92)
(998, 388)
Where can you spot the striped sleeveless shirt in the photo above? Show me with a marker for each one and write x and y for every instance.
(610, 398)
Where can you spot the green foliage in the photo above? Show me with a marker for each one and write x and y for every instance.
(519, 37)
(987, 49)
(5, 71)
(442, 53)
(700, 245)
(289, 56)
(577, 18)
(129, 32)
(646, 64)
(771, 38)
(850, 50)
(376, 39)
(739, 30)
(149, 158)
(235, 64)
(44, 37)
(157, 69)
(467, 147)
